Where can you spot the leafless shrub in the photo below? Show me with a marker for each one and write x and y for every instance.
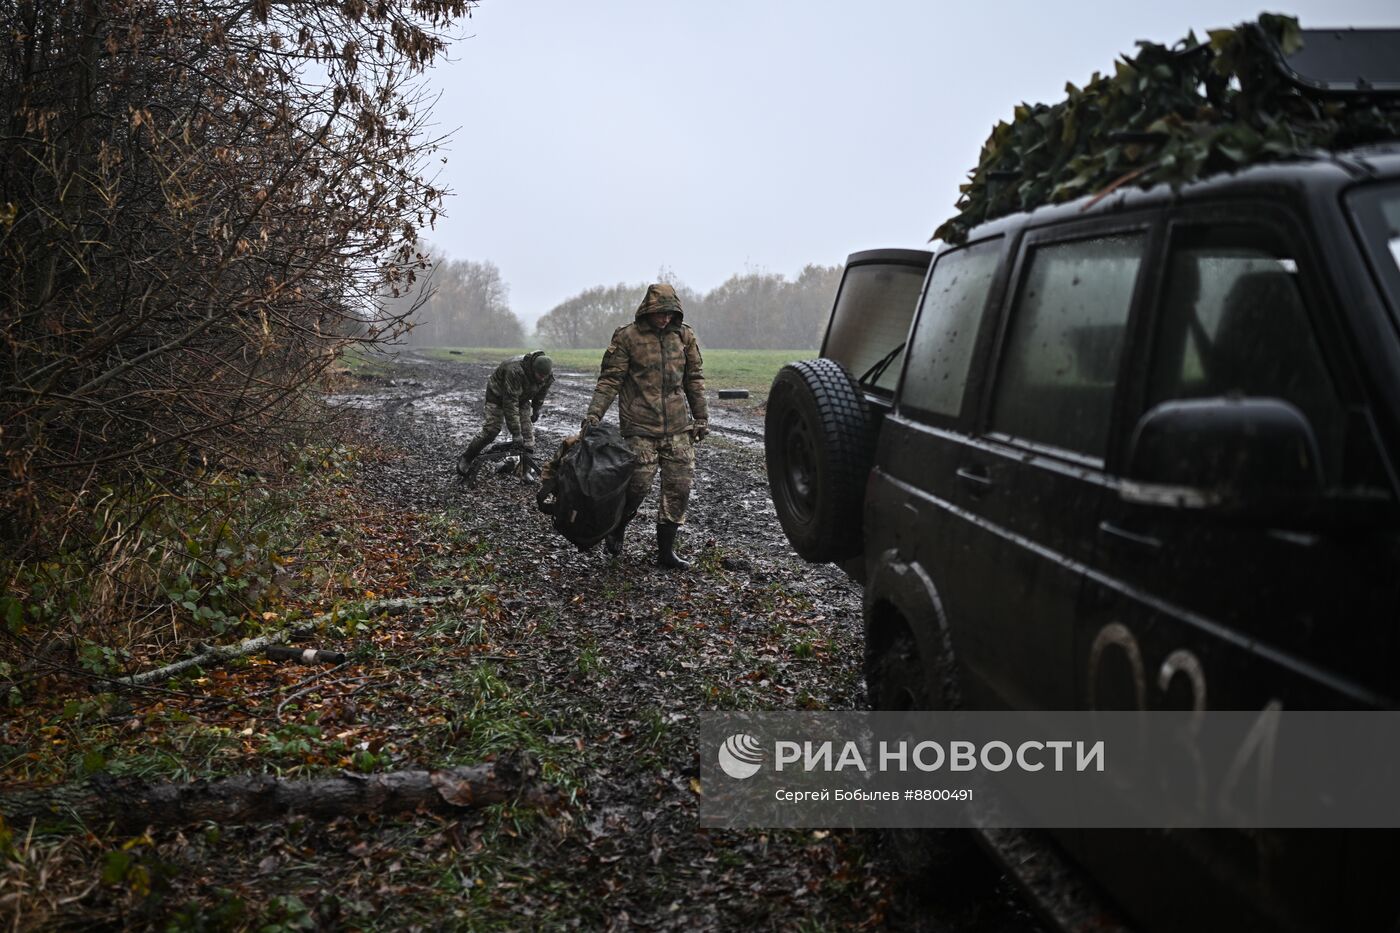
(201, 203)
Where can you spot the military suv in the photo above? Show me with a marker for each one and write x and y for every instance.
(1132, 453)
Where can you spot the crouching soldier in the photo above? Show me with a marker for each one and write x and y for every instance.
(515, 393)
(653, 368)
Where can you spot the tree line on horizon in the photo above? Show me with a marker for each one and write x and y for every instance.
(467, 303)
(461, 303)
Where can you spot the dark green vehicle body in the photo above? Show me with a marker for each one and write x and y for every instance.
(1046, 516)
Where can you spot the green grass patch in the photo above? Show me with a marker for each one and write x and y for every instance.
(578, 361)
(724, 369)
(364, 362)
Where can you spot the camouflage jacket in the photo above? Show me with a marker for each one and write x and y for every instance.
(512, 385)
(654, 375)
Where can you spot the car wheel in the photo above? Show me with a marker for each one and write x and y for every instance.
(895, 677)
(819, 441)
(897, 680)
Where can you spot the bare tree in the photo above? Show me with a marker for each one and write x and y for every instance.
(755, 310)
(201, 203)
(589, 318)
(462, 303)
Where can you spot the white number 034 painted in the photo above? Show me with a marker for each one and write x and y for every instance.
(1256, 746)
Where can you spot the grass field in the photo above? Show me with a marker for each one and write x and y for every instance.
(363, 363)
(724, 369)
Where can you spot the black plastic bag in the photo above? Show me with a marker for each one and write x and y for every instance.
(587, 483)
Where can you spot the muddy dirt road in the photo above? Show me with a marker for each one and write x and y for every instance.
(618, 656)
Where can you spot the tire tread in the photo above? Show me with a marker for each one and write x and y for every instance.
(847, 435)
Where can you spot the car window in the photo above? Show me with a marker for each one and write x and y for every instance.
(1056, 380)
(1377, 212)
(1234, 322)
(871, 319)
(947, 328)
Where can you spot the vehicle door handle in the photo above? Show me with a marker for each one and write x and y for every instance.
(1123, 536)
(975, 478)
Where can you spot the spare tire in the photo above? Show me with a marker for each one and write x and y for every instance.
(819, 439)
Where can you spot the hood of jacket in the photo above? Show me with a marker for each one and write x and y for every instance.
(527, 366)
(660, 297)
(656, 376)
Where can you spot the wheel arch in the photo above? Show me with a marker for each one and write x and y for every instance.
(901, 597)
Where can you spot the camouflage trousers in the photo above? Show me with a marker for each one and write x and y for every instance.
(495, 417)
(675, 455)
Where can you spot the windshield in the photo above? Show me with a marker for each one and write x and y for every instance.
(871, 321)
(1377, 210)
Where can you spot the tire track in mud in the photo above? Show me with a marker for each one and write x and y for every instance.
(632, 652)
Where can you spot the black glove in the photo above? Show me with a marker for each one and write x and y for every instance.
(535, 415)
(588, 422)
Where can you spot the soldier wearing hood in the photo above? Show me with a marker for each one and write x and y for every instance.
(515, 394)
(653, 368)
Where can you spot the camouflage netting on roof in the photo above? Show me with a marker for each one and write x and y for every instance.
(1165, 115)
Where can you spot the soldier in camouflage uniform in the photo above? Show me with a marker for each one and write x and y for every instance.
(514, 393)
(653, 368)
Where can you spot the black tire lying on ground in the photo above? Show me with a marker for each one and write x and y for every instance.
(819, 440)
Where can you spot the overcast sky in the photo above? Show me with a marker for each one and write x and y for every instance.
(598, 142)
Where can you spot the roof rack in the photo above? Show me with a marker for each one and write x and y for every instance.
(1345, 62)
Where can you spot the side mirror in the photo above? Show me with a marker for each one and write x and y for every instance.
(1232, 453)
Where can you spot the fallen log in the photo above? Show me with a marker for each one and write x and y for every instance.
(211, 655)
(132, 805)
(218, 654)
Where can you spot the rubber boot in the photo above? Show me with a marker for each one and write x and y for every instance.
(613, 542)
(666, 547)
(475, 447)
